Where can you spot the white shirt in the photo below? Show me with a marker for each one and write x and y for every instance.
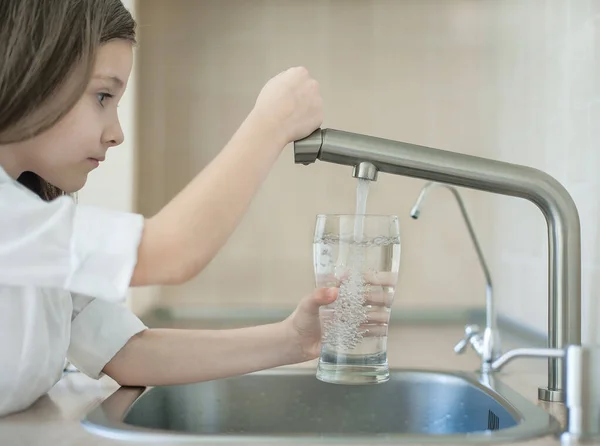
(53, 255)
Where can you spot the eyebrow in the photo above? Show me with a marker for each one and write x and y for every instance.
(114, 79)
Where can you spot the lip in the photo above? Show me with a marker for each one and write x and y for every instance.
(96, 161)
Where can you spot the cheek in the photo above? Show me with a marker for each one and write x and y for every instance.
(60, 154)
(67, 145)
(75, 138)
(62, 150)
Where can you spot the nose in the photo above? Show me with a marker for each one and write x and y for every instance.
(114, 134)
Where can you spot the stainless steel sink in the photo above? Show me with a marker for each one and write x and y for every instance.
(292, 405)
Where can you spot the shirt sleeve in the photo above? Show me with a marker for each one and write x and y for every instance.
(99, 329)
(59, 244)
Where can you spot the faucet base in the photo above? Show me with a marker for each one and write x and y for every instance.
(551, 395)
(567, 439)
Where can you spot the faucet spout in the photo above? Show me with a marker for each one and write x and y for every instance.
(553, 200)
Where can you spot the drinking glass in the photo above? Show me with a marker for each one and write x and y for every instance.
(359, 254)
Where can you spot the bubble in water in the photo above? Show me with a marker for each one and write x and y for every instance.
(342, 329)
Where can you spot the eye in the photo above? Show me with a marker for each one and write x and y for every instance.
(102, 96)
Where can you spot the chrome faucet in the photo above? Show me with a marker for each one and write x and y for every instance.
(486, 344)
(582, 366)
(370, 155)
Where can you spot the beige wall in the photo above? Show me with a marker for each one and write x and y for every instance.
(509, 79)
(202, 63)
(546, 80)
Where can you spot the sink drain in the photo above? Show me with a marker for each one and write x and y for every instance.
(493, 421)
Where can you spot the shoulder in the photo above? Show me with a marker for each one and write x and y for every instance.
(17, 196)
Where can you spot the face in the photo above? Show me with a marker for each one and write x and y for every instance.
(65, 154)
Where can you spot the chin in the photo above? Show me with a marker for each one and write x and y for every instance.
(73, 185)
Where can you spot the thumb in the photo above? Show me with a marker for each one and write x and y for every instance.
(321, 296)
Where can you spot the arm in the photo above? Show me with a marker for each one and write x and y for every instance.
(186, 234)
(101, 252)
(167, 356)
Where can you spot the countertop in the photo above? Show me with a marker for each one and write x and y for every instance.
(54, 419)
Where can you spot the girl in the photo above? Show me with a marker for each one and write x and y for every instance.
(64, 268)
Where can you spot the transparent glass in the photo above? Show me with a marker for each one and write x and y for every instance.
(360, 254)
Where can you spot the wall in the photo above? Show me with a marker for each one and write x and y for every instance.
(546, 79)
(394, 69)
(510, 79)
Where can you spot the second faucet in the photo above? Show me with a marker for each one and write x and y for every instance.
(486, 344)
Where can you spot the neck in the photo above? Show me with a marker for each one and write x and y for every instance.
(9, 162)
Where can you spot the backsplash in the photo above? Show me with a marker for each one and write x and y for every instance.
(510, 80)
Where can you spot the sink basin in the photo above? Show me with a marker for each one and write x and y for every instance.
(292, 405)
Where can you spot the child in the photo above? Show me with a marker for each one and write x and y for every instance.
(63, 268)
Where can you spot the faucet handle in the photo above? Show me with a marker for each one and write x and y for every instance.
(471, 331)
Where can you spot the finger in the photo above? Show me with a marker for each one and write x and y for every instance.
(322, 296)
(331, 294)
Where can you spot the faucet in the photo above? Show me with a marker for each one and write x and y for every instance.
(582, 366)
(369, 155)
(486, 344)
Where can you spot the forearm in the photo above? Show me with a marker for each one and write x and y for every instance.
(186, 234)
(166, 356)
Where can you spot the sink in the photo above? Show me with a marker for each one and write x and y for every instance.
(292, 405)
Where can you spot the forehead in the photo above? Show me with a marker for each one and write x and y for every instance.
(114, 59)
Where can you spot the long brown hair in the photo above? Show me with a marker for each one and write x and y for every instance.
(47, 53)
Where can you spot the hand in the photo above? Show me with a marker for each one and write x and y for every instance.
(290, 105)
(304, 324)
